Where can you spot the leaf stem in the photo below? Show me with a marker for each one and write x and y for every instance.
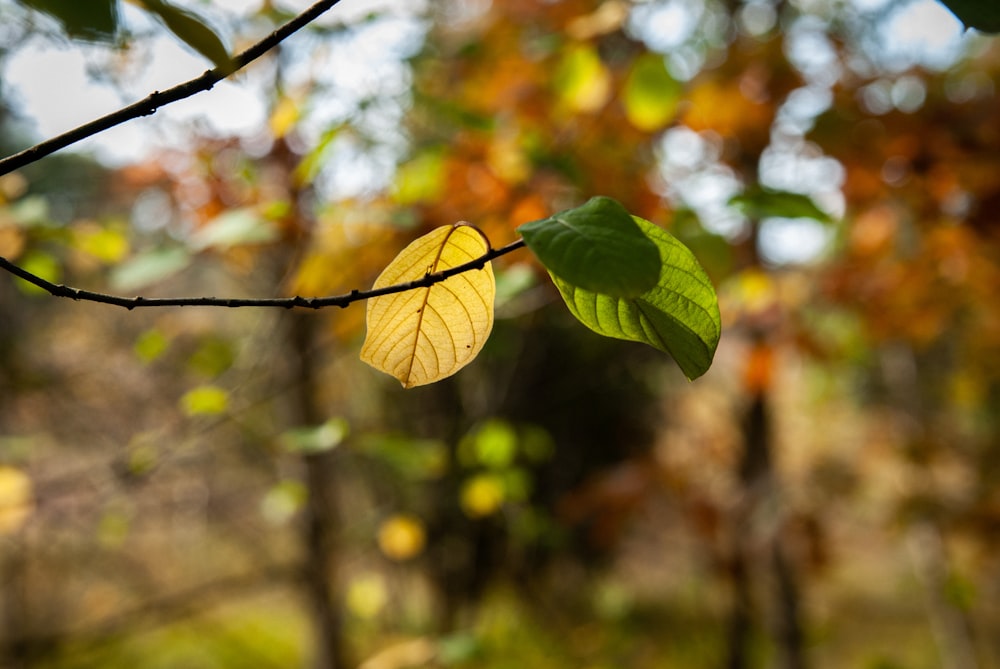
(429, 279)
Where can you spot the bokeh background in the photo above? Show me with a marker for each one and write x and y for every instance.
(201, 488)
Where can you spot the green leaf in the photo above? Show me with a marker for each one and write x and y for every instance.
(214, 355)
(149, 267)
(31, 212)
(596, 247)
(316, 438)
(420, 179)
(492, 445)
(313, 161)
(150, 345)
(43, 265)
(758, 203)
(581, 80)
(982, 15)
(651, 95)
(679, 315)
(416, 459)
(93, 20)
(192, 30)
(234, 228)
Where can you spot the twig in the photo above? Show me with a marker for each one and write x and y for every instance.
(158, 99)
(429, 279)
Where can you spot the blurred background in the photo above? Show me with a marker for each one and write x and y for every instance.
(201, 488)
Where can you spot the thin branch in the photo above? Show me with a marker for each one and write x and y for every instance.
(59, 290)
(158, 99)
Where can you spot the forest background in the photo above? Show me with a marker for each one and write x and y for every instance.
(205, 487)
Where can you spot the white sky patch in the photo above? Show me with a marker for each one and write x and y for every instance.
(53, 89)
(799, 167)
(665, 25)
(784, 241)
(801, 108)
(55, 93)
(692, 177)
(870, 5)
(923, 32)
(809, 48)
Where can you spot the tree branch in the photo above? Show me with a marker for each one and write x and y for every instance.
(429, 279)
(158, 99)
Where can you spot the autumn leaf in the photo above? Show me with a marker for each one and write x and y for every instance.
(402, 537)
(16, 499)
(424, 335)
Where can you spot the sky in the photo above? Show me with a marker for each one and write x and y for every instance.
(54, 87)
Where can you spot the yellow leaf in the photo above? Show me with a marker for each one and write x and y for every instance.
(106, 244)
(482, 495)
(205, 401)
(16, 499)
(424, 335)
(581, 80)
(367, 595)
(284, 117)
(402, 537)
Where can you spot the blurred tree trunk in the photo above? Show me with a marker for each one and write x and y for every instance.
(321, 516)
(15, 651)
(951, 625)
(952, 629)
(757, 478)
(13, 598)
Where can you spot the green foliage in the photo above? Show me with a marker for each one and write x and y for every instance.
(581, 80)
(213, 356)
(758, 203)
(150, 345)
(149, 267)
(420, 179)
(651, 95)
(679, 315)
(93, 20)
(40, 264)
(313, 161)
(98, 20)
(30, 211)
(493, 445)
(492, 452)
(597, 247)
(411, 458)
(235, 227)
(192, 30)
(317, 438)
